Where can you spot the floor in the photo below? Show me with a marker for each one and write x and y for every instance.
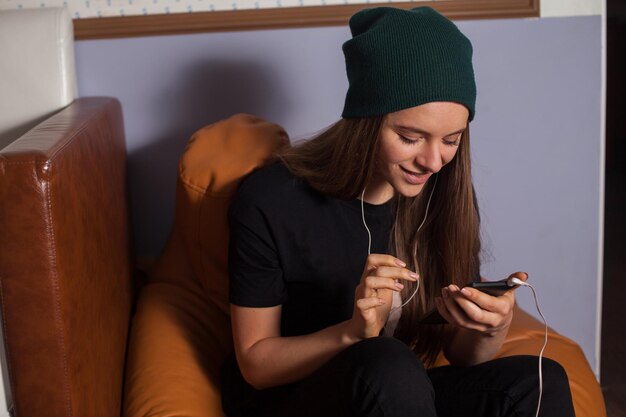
(613, 351)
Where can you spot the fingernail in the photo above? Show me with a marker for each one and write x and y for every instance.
(413, 275)
(466, 292)
(381, 301)
(399, 262)
(399, 286)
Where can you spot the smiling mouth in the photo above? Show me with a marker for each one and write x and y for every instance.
(414, 178)
(417, 174)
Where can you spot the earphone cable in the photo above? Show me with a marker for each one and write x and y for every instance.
(369, 236)
(545, 342)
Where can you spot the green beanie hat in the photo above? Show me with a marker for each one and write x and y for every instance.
(400, 58)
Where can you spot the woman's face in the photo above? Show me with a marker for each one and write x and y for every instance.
(414, 144)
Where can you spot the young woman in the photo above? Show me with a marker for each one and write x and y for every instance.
(344, 244)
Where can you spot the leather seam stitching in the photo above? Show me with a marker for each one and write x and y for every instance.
(57, 303)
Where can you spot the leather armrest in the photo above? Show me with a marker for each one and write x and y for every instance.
(65, 272)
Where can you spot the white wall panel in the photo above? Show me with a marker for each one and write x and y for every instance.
(561, 8)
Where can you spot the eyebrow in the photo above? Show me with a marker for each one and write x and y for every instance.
(423, 132)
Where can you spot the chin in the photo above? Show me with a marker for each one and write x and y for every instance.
(409, 191)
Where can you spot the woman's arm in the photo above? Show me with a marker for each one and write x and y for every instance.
(481, 322)
(267, 359)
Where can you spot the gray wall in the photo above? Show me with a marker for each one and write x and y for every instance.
(536, 137)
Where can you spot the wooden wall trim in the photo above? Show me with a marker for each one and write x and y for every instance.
(287, 17)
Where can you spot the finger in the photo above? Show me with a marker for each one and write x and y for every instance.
(452, 307)
(447, 315)
(376, 260)
(368, 303)
(492, 319)
(380, 283)
(458, 315)
(487, 302)
(521, 275)
(396, 273)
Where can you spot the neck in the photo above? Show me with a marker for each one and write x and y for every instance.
(378, 191)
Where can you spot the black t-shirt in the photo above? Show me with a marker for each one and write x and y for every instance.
(293, 246)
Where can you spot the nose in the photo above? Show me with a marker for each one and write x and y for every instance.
(429, 157)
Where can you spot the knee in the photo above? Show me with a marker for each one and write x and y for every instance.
(386, 374)
(386, 359)
(552, 374)
(555, 380)
(556, 396)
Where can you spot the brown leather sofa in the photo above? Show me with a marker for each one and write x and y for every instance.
(67, 285)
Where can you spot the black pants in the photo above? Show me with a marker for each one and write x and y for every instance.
(382, 377)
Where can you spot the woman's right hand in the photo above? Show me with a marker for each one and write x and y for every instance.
(381, 276)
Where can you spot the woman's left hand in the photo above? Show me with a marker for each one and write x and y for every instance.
(473, 309)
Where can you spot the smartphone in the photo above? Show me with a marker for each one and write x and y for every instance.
(494, 288)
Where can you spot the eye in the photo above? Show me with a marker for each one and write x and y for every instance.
(453, 141)
(407, 140)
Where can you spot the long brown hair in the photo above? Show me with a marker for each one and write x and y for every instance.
(341, 160)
